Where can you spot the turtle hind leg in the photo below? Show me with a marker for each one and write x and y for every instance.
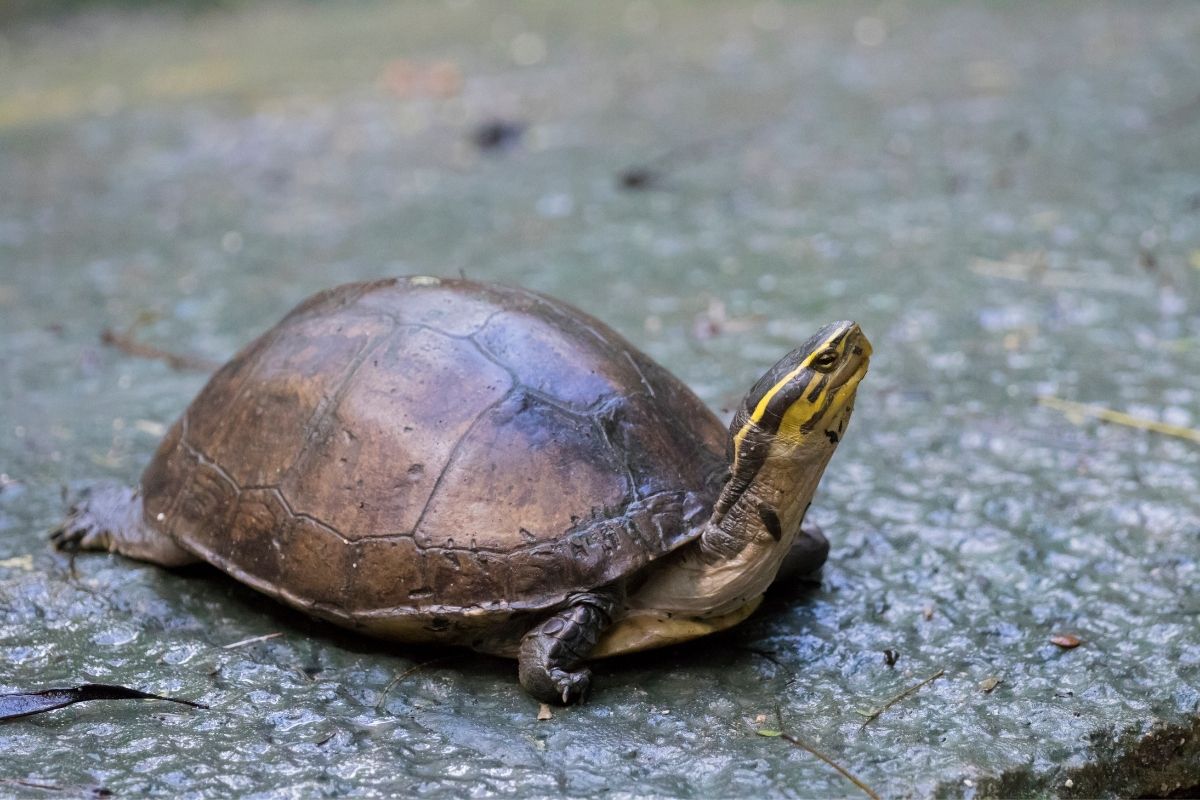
(110, 518)
(552, 654)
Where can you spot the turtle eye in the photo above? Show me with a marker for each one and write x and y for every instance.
(825, 361)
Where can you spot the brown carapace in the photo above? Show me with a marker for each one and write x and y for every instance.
(431, 460)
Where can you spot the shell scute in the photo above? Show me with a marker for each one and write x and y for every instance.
(160, 486)
(543, 360)
(316, 563)
(465, 574)
(205, 417)
(501, 502)
(201, 512)
(287, 387)
(374, 460)
(537, 571)
(389, 573)
(434, 302)
(250, 540)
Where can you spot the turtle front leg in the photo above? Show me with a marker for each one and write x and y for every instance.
(552, 653)
(806, 556)
(110, 518)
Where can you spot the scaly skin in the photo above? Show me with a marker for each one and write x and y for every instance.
(110, 518)
(551, 652)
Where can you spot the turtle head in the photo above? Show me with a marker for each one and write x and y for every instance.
(797, 413)
(779, 443)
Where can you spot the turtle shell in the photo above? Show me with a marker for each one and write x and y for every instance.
(423, 458)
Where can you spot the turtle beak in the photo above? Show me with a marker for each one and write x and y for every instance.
(858, 356)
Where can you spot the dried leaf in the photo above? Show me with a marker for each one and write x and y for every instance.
(1066, 641)
(544, 713)
(989, 683)
(23, 563)
(13, 706)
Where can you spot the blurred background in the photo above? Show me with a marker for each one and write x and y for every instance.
(1005, 195)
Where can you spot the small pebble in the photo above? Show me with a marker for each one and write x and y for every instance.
(1066, 641)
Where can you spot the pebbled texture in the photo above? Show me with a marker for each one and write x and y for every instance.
(218, 169)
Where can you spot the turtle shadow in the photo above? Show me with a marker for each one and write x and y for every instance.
(296, 622)
(723, 650)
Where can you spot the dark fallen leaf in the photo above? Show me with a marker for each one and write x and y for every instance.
(497, 135)
(890, 657)
(638, 178)
(75, 791)
(45, 787)
(1066, 641)
(14, 706)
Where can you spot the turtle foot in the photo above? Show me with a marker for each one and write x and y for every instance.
(110, 518)
(83, 528)
(557, 685)
(552, 654)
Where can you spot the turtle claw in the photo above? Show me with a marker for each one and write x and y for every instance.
(73, 535)
(82, 528)
(77, 533)
(572, 686)
(64, 540)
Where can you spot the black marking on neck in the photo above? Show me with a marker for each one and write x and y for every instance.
(771, 520)
(754, 449)
(833, 437)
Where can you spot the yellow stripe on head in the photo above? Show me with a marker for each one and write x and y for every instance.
(831, 337)
(811, 386)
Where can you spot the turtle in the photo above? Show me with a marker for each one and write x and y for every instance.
(432, 460)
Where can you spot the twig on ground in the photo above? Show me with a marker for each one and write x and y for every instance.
(769, 656)
(1077, 411)
(796, 741)
(252, 640)
(874, 715)
(131, 346)
(1056, 278)
(396, 680)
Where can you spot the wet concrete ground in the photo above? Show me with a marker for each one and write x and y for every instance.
(1006, 198)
